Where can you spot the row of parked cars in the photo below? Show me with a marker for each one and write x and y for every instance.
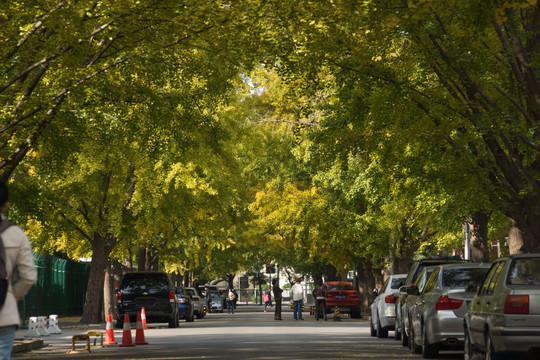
(452, 304)
(162, 302)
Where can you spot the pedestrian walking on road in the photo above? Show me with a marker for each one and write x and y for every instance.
(230, 301)
(266, 297)
(297, 295)
(16, 252)
(208, 299)
(319, 293)
(277, 297)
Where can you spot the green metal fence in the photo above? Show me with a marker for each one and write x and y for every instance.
(60, 288)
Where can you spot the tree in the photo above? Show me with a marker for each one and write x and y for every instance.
(475, 95)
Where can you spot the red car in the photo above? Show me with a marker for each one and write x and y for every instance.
(343, 295)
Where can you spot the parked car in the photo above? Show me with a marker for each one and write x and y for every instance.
(216, 302)
(214, 289)
(199, 307)
(343, 295)
(504, 316)
(410, 300)
(185, 305)
(383, 308)
(151, 290)
(437, 315)
(413, 273)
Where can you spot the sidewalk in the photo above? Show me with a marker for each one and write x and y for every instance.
(23, 344)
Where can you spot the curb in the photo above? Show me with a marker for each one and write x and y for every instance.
(21, 345)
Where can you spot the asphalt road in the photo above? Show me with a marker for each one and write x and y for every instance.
(248, 334)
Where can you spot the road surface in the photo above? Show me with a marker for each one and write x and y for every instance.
(248, 334)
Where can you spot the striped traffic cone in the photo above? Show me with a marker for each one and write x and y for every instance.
(126, 336)
(143, 318)
(139, 333)
(109, 332)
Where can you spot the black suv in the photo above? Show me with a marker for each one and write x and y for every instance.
(151, 290)
(402, 313)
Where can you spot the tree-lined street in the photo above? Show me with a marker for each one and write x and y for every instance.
(207, 138)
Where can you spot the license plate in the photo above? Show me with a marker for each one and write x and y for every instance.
(340, 296)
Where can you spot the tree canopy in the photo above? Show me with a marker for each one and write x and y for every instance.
(210, 137)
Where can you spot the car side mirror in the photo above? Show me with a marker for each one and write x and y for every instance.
(375, 292)
(413, 290)
(403, 289)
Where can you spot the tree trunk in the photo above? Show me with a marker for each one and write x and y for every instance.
(366, 283)
(531, 232)
(108, 291)
(515, 239)
(230, 280)
(141, 259)
(93, 304)
(478, 240)
(117, 277)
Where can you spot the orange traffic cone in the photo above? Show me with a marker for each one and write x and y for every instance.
(139, 333)
(143, 318)
(126, 336)
(109, 332)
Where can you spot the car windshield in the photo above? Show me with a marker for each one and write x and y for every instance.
(524, 271)
(180, 291)
(143, 282)
(341, 286)
(397, 283)
(458, 278)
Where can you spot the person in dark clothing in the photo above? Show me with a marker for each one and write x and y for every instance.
(319, 293)
(208, 298)
(277, 297)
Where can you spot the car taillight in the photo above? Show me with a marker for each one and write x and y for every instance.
(516, 304)
(183, 300)
(118, 297)
(195, 298)
(390, 299)
(446, 303)
(172, 297)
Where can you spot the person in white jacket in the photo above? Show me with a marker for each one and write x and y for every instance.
(18, 255)
(297, 295)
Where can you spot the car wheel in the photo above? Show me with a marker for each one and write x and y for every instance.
(469, 350)
(397, 332)
(490, 350)
(372, 330)
(404, 336)
(191, 317)
(381, 333)
(429, 351)
(173, 321)
(415, 349)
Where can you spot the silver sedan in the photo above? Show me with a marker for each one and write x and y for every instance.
(383, 308)
(504, 317)
(437, 315)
